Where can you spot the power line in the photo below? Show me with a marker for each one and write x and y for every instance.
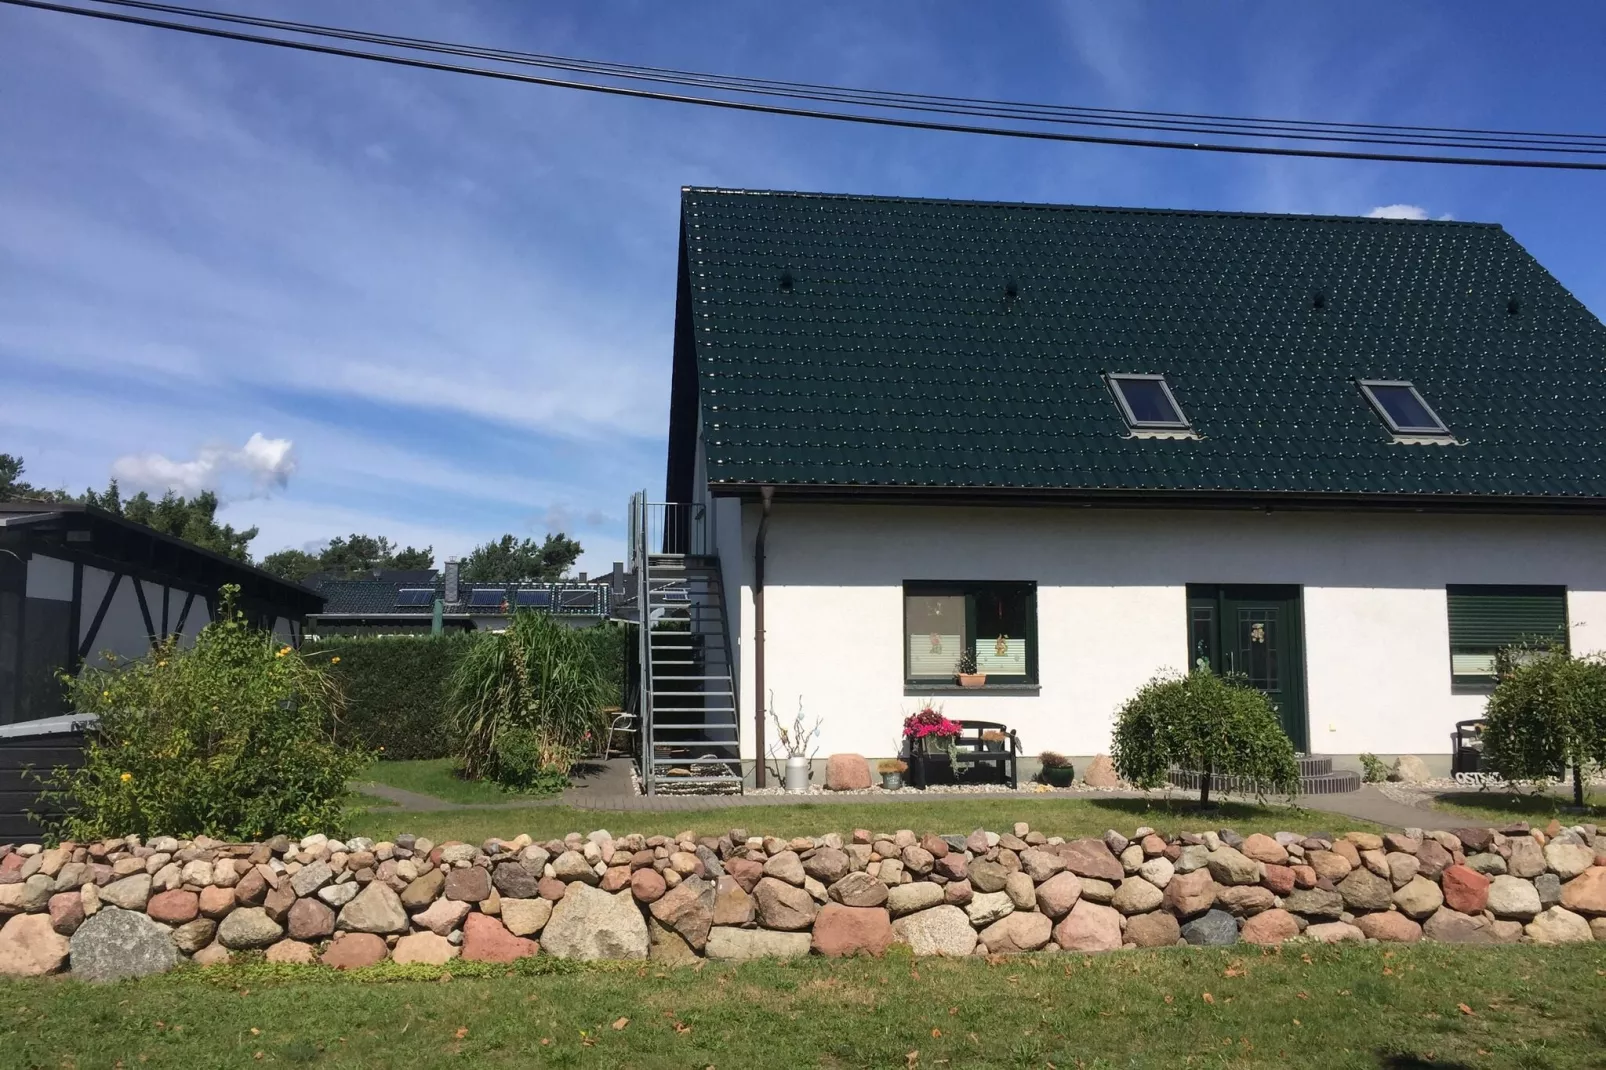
(1468, 139)
(1285, 129)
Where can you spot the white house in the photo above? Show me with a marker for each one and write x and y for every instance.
(1350, 458)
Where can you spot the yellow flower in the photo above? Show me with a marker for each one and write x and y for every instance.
(334, 660)
(282, 653)
(105, 694)
(126, 777)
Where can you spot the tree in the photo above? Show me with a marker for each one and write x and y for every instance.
(13, 488)
(192, 519)
(510, 560)
(356, 555)
(1203, 723)
(292, 565)
(1547, 715)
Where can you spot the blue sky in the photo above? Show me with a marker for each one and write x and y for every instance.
(359, 298)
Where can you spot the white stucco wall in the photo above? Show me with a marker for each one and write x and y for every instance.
(1112, 609)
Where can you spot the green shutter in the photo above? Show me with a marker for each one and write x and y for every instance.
(1489, 618)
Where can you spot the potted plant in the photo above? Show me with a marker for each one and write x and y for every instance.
(891, 770)
(792, 743)
(968, 676)
(930, 737)
(1057, 771)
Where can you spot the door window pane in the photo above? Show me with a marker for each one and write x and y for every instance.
(1258, 645)
(1201, 637)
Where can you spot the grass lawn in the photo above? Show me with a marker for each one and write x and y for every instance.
(437, 777)
(1317, 1006)
(1062, 817)
(1499, 807)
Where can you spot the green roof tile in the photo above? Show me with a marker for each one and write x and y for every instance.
(861, 342)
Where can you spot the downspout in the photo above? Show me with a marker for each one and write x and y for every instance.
(759, 707)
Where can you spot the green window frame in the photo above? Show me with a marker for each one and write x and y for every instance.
(1487, 618)
(996, 619)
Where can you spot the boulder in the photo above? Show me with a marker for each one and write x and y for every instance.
(1159, 871)
(1100, 773)
(515, 880)
(1548, 885)
(310, 919)
(1271, 927)
(985, 908)
(215, 901)
(1023, 893)
(1512, 897)
(1449, 926)
(1191, 857)
(1409, 769)
(907, 898)
(1245, 900)
(31, 947)
(1057, 895)
(570, 866)
(249, 927)
(486, 939)
(727, 944)
(526, 917)
(352, 951)
(443, 916)
(957, 893)
(1558, 925)
(829, 865)
(1137, 896)
(422, 891)
(1329, 864)
(174, 907)
(941, 930)
(1419, 898)
(666, 947)
(783, 907)
(66, 912)
(1263, 848)
(859, 889)
(1279, 879)
(308, 879)
(1568, 860)
(842, 930)
(1527, 858)
(1363, 891)
(1156, 929)
(194, 935)
(1190, 893)
(1040, 864)
(688, 910)
(1465, 890)
(1335, 932)
(1488, 863)
(1089, 857)
(590, 924)
(1432, 859)
(469, 885)
(1402, 867)
(376, 909)
(1315, 903)
(118, 943)
(847, 772)
(988, 876)
(647, 885)
(130, 893)
(1017, 932)
(426, 949)
(1211, 929)
(1389, 926)
(916, 860)
(1230, 866)
(1586, 893)
(786, 866)
(1089, 927)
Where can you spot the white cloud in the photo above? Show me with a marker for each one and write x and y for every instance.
(266, 463)
(1397, 211)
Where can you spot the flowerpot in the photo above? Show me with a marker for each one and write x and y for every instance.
(892, 781)
(972, 679)
(797, 774)
(1058, 776)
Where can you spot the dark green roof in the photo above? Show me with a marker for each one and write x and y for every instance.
(844, 342)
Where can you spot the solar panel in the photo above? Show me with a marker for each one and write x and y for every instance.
(415, 597)
(579, 599)
(533, 599)
(487, 597)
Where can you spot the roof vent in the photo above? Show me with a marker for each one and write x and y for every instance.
(1318, 300)
(785, 282)
(1513, 306)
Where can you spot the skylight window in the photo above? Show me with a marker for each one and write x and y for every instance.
(1146, 402)
(1403, 409)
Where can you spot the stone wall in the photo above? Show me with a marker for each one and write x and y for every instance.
(125, 908)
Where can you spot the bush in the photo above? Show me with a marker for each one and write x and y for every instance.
(611, 645)
(236, 737)
(1547, 714)
(396, 688)
(1374, 770)
(1208, 724)
(539, 677)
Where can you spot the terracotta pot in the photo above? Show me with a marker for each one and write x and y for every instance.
(972, 679)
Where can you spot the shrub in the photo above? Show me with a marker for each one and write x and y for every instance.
(1053, 760)
(1205, 723)
(1547, 714)
(236, 737)
(396, 688)
(526, 762)
(611, 644)
(1374, 770)
(891, 765)
(538, 676)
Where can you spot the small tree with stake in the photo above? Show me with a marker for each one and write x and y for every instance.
(1547, 715)
(1214, 725)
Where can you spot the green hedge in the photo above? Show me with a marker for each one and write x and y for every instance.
(395, 688)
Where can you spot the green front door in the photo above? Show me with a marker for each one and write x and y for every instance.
(1256, 632)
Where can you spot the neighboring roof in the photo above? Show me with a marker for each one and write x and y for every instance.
(379, 598)
(119, 541)
(838, 344)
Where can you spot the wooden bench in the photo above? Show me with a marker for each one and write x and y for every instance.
(984, 752)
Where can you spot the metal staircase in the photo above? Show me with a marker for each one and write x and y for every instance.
(683, 690)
